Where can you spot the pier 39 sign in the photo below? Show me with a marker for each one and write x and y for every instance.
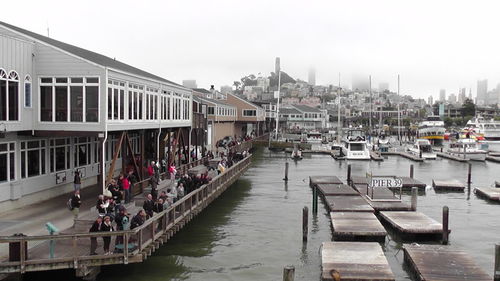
(389, 182)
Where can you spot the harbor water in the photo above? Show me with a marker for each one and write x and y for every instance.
(255, 228)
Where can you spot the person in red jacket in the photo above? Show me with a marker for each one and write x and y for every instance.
(126, 187)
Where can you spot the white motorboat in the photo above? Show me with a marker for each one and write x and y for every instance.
(312, 137)
(355, 146)
(479, 126)
(422, 148)
(468, 149)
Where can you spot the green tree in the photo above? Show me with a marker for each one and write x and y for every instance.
(468, 108)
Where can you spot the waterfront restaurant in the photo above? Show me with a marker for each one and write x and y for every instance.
(64, 108)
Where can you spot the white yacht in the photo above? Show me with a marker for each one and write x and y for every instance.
(422, 148)
(432, 129)
(489, 129)
(468, 149)
(355, 146)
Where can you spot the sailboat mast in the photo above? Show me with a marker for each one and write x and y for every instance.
(399, 115)
(371, 106)
(338, 113)
(278, 66)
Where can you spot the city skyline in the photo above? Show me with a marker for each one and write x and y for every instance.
(220, 42)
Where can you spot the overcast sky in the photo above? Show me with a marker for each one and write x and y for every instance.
(431, 44)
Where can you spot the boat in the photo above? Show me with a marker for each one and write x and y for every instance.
(468, 149)
(432, 129)
(478, 127)
(355, 146)
(296, 153)
(423, 149)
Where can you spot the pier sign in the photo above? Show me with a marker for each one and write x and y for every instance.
(389, 182)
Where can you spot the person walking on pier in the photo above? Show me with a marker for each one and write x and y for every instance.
(107, 227)
(126, 187)
(77, 181)
(96, 227)
(76, 202)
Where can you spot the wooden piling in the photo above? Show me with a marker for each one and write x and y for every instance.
(411, 171)
(305, 223)
(286, 171)
(315, 199)
(349, 174)
(289, 273)
(446, 232)
(420, 154)
(414, 194)
(469, 178)
(496, 273)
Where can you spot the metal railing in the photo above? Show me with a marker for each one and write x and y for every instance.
(73, 250)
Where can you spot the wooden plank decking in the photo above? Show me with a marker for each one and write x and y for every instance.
(357, 226)
(413, 224)
(489, 193)
(355, 261)
(315, 180)
(348, 204)
(451, 157)
(336, 189)
(448, 185)
(442, 263)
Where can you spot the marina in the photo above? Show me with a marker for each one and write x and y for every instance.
(357, 226)
(413, 225)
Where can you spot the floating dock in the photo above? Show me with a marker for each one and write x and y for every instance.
(315, 180)
(376, 156)
(336, 189)
(360, 226)
(361, 261)
(451, 157)
(405, 155)
(439, 263)
(493, 159)
(489, 193)
(448, 185)
(413, 225)
(348, 204)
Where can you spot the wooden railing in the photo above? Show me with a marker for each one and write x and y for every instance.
(72, 250)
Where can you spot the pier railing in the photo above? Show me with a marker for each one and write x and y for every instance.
(72, 250)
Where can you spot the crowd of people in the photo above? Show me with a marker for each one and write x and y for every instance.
(111, 209)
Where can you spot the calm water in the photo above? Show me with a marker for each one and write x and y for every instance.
(254, 228)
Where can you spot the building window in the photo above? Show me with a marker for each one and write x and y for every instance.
(83, 153)
(135, 99)
(63, 99)
(59, 154)
(9, 96)
(32, 158)
(249, 112)
(116, 100)
(7, 161)
(27, 91)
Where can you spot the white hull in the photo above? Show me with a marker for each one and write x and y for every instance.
(473, 156)
(425, 155)
(356, 155)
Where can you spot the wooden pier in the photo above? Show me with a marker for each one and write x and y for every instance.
(72, 250)
(315, 180)
(376, 156)
(413, 225)
(336, 189)
(405, 155)
(408, 182)
(493, 159)
(439, 263)
(360, 226)
(489, 193)
(451, 157)
(348, 204)
(448, 185)
(349, 261)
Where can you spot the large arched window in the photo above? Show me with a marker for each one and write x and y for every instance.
(9, 96)
(27, 91)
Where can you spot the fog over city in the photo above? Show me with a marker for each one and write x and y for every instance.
(433, 45)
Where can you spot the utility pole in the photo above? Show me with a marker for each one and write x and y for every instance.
(278, 67)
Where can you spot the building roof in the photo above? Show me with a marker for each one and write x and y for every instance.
(202, 90)
(214, 101)
(286, 110)
(305, 108)
(88, 55)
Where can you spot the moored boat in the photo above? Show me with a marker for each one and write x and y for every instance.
(468, 149)
(423, 149)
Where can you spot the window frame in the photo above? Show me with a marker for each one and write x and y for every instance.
(27, 81)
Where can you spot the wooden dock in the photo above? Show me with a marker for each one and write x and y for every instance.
(336, 189)
(440, 263)
(349, 261)
(489, 193)
(451, 157)
(448, 185)
(360, 226)
(413, 225)
(376, 156)
(408, 182)
(405, 155)
(315, 180)
(348, 204)
(493, 159)
(72, 249)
